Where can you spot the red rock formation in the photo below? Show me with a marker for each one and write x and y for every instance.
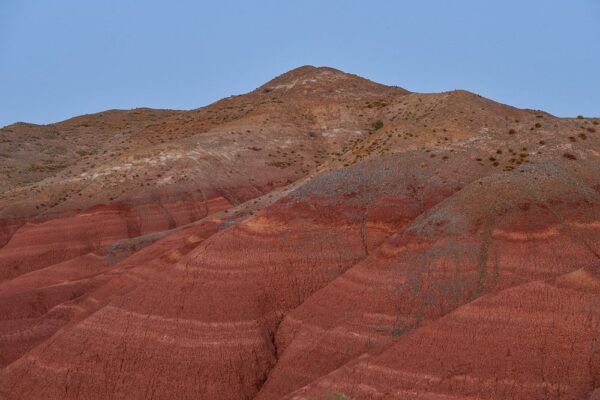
(470, 244)
(538, 340)
(36, 245)
(281, 244)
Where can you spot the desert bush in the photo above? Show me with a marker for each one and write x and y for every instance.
(279, 164)
(83, 153)
(377, 125)
(35, 167)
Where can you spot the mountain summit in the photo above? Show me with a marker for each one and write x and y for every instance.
(322, 80)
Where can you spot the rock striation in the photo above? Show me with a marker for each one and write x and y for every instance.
(320, 236)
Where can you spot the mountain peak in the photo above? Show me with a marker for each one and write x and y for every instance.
(309, 77)
(304, 73)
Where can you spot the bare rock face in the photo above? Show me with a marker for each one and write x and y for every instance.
(321, 236)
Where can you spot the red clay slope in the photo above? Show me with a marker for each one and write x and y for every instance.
(280, 244)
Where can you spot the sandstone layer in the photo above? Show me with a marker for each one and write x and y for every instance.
(322, 236)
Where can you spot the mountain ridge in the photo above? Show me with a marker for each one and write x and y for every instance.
(320, 234)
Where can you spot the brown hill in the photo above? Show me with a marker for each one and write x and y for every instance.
(321, 236)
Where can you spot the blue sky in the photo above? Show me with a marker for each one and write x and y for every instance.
(61, 58)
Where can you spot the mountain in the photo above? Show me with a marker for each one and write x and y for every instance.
(322, 236)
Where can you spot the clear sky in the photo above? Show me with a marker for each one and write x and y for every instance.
(61, 58)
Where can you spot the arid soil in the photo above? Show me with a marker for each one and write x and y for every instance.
(322, 237)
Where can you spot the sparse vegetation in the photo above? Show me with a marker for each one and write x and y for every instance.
(83, 153)
(279, 164)
(35, 167)
(377, 125)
